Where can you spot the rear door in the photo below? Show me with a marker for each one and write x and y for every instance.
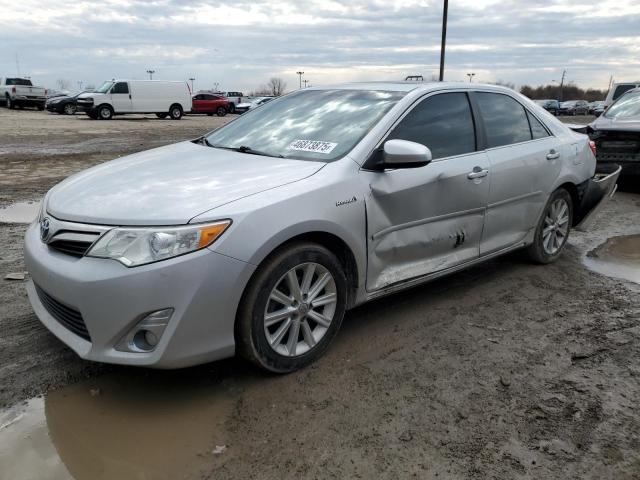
(525, 160)
(422, 220)
(121, 97)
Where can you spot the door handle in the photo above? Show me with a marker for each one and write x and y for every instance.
(477, 173)
(552, 155)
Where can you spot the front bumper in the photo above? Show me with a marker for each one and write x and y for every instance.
(203, 287)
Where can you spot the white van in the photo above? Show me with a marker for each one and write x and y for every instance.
(117, 97)
(617, 90)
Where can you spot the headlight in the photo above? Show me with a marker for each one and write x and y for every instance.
(137, 246)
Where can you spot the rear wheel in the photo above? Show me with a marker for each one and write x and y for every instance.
(553, 228)
(161, 115)
(221, 112)
(105, 112)
(292, 308)
(232, 107)
(175, 112)
(9, 103)
(69, 109)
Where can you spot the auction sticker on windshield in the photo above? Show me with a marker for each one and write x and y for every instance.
(314, 146)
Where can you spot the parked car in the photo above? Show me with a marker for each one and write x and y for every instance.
(118, 97)
(64, 104)
(210, 104)
(594, 105)
(252, 103)
(257, 237)
(551, 106)
(574, 107)
(616, 134)
(599, 110)
(235, 98)
(20, 92)
(617, 90)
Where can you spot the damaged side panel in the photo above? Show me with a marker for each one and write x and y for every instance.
(425, 219)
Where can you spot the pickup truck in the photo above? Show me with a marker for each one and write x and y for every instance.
(20, 92)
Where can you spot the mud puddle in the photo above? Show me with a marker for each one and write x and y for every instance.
(115, 427)
(618, 257)
(21, 212)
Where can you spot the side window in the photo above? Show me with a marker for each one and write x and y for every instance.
(537, 129)
(442, 122)
(504, 118)
(620, 89)
(120, 87)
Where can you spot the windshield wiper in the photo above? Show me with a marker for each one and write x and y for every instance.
(241, 149)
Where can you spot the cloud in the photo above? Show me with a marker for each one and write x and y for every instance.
(240, 44)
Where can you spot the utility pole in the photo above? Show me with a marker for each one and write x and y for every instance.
(192, 79)
(444, 37)
(151, 72)
(17, 65)
(300, 75)
(564, 72)
(470, 75)
(215, 86)
(79, 84)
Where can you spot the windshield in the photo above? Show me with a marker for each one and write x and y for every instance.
(626, 107)
(308, 125)
(104, 88)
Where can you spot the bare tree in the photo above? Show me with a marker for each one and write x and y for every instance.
(276, 86)
(63, 84)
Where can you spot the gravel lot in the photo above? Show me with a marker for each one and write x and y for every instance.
(508, 370)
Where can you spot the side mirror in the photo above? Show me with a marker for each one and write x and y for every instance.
(405, 154)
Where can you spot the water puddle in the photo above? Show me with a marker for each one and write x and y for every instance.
(21, 212)
(115, 427)
(618, 257)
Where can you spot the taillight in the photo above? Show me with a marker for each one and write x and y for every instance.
(45, 92)
(13, 89)
(592, 146)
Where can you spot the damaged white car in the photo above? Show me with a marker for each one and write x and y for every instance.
(257, 237)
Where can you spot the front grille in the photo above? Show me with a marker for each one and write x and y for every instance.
(68, 317)
(71, 247)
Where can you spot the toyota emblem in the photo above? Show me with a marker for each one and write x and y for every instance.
(44, 229)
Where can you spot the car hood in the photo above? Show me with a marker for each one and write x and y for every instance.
(604, 123)
(169, 185)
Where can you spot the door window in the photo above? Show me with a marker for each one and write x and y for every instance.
(120, 87)
(442, 122)
(504, 118)
(537, 129)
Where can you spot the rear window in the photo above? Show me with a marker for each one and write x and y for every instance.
(621, 89)
(19, 81)
(628, 107)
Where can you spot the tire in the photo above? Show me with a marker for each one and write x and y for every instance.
(9, 103)
(162, 115)
(232, 107)
(221, 111)
(254, 338)
(553, 228)
(105, 112)
(175, 112)
(69, 109)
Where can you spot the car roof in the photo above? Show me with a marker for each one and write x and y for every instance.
(412, 86)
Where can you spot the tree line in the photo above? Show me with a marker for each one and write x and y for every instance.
(569, 92)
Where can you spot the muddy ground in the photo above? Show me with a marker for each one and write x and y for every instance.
(508, 370)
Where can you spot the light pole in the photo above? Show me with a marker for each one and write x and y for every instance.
(215, 86)
(300, 75)
(192, 80)
(470, 75)
(445, 10)
(305, 83)
(79, 84)
(151, 72)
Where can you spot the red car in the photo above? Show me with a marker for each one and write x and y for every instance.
(210, 104)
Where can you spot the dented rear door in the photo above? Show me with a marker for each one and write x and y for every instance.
(425, 219)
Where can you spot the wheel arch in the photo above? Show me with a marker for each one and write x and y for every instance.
(332, 242)
(576, 196)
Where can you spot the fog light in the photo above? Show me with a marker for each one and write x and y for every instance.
(144, 337)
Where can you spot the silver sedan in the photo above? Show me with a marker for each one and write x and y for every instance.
(257, 237)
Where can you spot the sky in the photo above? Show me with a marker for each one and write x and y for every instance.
(239, 45)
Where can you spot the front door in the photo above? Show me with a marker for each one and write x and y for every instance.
(525, 159)
(423, 220)
(121, 98)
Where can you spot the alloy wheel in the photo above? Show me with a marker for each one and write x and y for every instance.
(300, 309)
(556, 226)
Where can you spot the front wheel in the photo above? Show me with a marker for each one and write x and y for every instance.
(292, 308)
(553, 228)
(221, 112)
(105, 112)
